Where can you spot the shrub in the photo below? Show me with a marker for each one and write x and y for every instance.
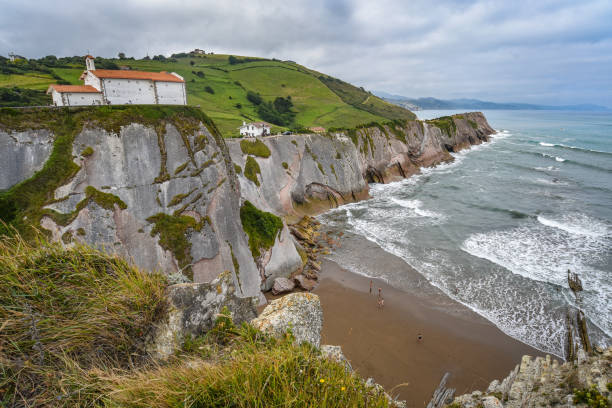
(172, 230)
(277, 112)
(237, 169)
(445, 123)
(209, 89)
(254, 98)
(285, 165)
(590, 396)
(16, 96)
(88, 151)
(251, 170)
(256, 148)
(261, 227)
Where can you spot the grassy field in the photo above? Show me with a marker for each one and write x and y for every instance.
(318, 100)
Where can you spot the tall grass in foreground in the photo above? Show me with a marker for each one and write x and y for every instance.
(73, 324)
(68, 306)
(253, 370)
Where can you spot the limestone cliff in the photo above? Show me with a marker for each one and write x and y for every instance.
(311, 173)
(158, 185)
(155, 185)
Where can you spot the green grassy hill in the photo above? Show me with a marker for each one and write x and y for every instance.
(221, 87)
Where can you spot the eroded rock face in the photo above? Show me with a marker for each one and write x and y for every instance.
(22, 154)
(284, 259)
(193, 309)
(311, 173)
(179, 175)
(300, 312)
(544, 382)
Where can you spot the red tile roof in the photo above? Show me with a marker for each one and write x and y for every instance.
(317, 129)
(122, 74)
(74, 88)
(259, 124)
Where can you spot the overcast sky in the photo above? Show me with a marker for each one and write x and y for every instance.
(537, 51)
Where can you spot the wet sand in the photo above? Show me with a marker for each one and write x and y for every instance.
(382, 343)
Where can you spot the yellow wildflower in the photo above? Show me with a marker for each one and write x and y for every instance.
(321, 380)
(343, 388)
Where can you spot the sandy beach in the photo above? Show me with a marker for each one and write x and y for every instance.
(382, 343)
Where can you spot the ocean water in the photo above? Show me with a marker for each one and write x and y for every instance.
(497, 229)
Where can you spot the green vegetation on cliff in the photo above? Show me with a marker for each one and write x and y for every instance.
(315, 99)
(75, 322)
(446, 124)
(256, 148)
(172, 230)
(22, 205)
(261, 227)
(251, 170)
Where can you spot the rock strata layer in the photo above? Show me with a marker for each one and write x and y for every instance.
(544, 382)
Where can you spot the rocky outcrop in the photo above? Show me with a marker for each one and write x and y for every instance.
(23, 153)
(299, 312)
(545, 382)
(193, 309)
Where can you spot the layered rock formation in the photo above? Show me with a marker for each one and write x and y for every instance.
(159, 186)
(543, 382)
(156, 186)
(311, 173)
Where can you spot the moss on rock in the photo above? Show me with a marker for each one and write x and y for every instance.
(172, 230)
(261, 227)
(256, 148)
(251, 170)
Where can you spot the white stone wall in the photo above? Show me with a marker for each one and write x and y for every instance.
(92, 80)
(57, 98)
(81, 98)
(128, 91)
(171, 93)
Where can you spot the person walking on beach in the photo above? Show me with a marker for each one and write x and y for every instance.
(381, 300)
(371, 283)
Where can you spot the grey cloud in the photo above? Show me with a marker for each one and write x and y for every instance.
(544, 52)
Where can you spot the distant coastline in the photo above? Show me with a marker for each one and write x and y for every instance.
(416, 104)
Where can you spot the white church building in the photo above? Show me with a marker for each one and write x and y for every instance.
(120, 87)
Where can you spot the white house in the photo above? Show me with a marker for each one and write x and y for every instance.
(120, 87)
(254, 129)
